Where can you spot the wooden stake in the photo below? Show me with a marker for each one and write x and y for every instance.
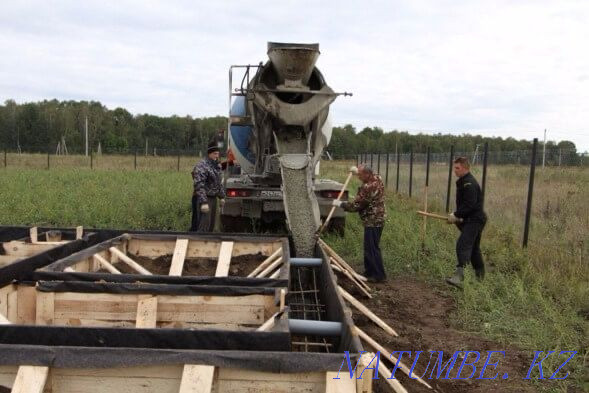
(343, 270)
(275, 274)
(282, 299)
(266, 262)
(225, 252)
(376, 346)
(341, 261)
(364, 310)
(270, 322)
(33, 235)
(105, 264)
(30, 379)
(350, 277)
(339, 197)
(393, 383)
(270, 268)
(178, 257)
(137, 267)
(146, 312)
(197, 378)
(79, 232)
(433, 215)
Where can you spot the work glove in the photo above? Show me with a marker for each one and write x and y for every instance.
(452, 219)
(222, 202)
(204, 208)
(336, 203)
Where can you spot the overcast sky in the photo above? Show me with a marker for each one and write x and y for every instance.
(509, 68)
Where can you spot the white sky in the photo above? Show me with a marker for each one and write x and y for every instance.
(508, 68)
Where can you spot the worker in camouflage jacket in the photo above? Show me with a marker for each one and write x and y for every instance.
(369, 203)
(208, 186)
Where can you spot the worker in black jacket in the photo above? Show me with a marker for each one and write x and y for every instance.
(470, 219)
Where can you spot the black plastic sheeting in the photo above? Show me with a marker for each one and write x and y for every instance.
(116, 337)
(157, 279)
(92, 357)
(153, 289)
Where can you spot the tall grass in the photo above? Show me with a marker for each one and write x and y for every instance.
(531, 298)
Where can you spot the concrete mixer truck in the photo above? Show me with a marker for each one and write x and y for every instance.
(278, 129)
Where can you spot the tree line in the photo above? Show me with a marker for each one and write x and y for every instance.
(39, 126)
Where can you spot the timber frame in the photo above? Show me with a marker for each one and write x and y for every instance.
(64, 327)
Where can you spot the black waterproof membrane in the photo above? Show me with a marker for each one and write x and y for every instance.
(105, 347)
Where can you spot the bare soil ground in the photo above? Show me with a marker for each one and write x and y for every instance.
(240, 266)
(420, 313)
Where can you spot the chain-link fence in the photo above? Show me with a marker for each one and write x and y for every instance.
(119, 159)
(517, 186)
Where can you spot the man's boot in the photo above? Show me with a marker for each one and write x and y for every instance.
(457, 278)
(480, 274)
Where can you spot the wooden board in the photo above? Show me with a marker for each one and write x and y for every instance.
(344, 384)
(225, 254)
(21, 249)
(26, 304)
(197, 379)
(30, 379)
(45, 311)
(146, 312)
(86, 309)
(166, 379)
(178, 258)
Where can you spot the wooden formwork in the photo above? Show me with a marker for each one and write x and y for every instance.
(36, 242)
(190, 334)
(124, 250)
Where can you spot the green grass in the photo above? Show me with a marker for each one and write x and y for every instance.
(531, 298)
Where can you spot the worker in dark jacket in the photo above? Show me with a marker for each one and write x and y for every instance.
(369, 203)
(208, 186)
(470, 219)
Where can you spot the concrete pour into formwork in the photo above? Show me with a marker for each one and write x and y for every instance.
(156, 354)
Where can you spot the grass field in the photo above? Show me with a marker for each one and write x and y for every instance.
(532, 298)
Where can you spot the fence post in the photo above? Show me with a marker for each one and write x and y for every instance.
(178, 160)
(485, 160)
(135, 162)
(410, 171)
(378, 164)
(398, 165)
(372, 161)
(449, 188)
(386, 176)
(530, 192)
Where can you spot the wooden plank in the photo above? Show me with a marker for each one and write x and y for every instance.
(30, 379)
(18, 248)
(105, 264)
(197, 379)
(346, 273)
(393, 382)
(12, 312)
(344, 384)
(4, 320)
(342, 262)
(364, 385)
(364, 310)
(4, 292)
(26, 304)
(224, 259)
(33, 235)
(266, 262)
(178, 258)
(276, 274)
(137, 267)
(386, 354)
(45, 310)
(270, 268)
(6, 260)
(79, 232)
(146, 312)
